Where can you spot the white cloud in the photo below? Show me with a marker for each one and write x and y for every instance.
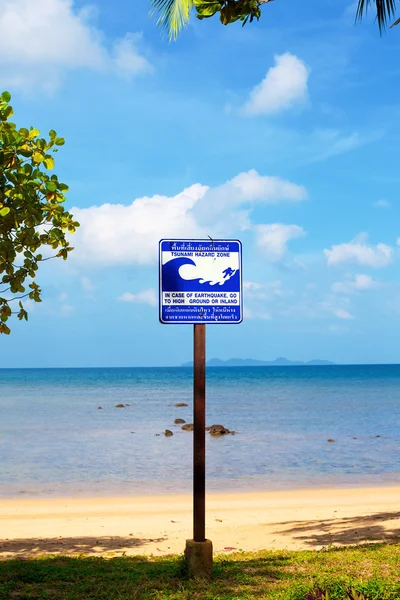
(365, 282)
(338, 307)
(261, 291)
(273, 239)
(334, 143)
(382, 204)
(143, 297)
(251, 186)
(227, 206)
(358, 251)
(87, 285)
(127, 59)
(341, 313)
(66, 310)
(252, 286)
(284, 86)
(116, 234)
(38, 40)
(358, 283)
(323, 143)
(256, 314)
(258, 296)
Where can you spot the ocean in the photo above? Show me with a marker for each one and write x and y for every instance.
(55, 441)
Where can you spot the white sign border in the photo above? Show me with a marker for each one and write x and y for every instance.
(199, 322)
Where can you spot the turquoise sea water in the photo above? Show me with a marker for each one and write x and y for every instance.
(55, 441)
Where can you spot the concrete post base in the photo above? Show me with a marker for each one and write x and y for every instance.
(199, 558)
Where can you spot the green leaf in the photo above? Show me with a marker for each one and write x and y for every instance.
(38, 157)
(33, 133)
(32, 199)
(4, 329)
(49, 162)
(174, 15)
(385, 10)
(6, 96)
(51, 186)
(8, 112)
(60, 141)
(227, 15)
(207, 8)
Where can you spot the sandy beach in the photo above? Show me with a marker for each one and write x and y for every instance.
(301, 519)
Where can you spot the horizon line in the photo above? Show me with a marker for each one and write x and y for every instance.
(188, 366)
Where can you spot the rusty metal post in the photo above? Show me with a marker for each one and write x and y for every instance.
(199, 434)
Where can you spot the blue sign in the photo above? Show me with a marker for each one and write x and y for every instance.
(200, 281)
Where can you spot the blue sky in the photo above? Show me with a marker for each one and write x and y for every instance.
(283, 134)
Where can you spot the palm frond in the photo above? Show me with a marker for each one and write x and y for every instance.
(385, 10)
(174, 15)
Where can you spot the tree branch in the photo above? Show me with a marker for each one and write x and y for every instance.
(18, 297)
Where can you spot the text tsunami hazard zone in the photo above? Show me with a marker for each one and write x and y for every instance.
(200, 281)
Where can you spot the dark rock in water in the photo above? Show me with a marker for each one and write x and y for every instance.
(180, 404)
(179, 421)
(218, 430)
(330, 441)
(99, 408)
(188, 427)
(119, 406)
(157, 435)
(377, 436)
(127, 404)
(168, 433)
(233, 432)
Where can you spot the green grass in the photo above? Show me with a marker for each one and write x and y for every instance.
(372, 570)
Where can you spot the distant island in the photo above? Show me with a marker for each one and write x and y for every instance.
(251, 362)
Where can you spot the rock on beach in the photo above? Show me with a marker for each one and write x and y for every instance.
(218, 430)
(188, 427)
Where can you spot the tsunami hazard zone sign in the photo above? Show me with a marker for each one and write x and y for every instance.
(200, 281)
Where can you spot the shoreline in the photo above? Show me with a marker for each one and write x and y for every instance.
(224, 487)
(168, 492)
(311, 518)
